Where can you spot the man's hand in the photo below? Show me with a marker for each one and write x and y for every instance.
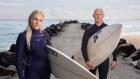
(113, 65)
(90, 65)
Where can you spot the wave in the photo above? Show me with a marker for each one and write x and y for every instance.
(132, 26)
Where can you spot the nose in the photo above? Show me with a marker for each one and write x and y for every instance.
(98, 16)
(37, 22)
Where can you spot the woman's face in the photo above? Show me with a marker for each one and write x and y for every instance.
(36, 21)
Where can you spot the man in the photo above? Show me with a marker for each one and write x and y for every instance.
(103, 67)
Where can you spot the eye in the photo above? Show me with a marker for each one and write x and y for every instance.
(35, 19)
(41, 20)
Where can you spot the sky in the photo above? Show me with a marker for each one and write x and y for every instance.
(70, 9)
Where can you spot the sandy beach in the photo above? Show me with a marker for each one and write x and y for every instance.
(133, 39)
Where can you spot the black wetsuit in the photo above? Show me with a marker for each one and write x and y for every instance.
(103, 67)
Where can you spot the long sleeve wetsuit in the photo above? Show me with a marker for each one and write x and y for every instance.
(103, 67)
(88, 33)
(37, 64)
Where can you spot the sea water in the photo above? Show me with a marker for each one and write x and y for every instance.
(10, 28)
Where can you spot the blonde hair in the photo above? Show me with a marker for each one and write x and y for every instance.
(29, 29)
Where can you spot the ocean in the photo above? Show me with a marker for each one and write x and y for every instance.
(10, 28)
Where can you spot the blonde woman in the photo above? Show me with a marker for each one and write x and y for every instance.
(33, 43)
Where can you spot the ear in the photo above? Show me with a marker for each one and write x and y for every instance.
(30, 19)
(103, 15)
(93, 15)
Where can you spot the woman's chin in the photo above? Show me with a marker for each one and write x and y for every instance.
(35, 28)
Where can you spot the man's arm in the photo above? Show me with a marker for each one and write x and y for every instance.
(114, 61)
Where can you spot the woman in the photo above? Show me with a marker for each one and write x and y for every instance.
(33, 43)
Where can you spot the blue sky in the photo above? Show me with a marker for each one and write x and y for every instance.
(70, 9)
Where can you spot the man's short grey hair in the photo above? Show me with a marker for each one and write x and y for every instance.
(98, 9)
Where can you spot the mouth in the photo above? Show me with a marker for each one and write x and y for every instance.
(36, 25)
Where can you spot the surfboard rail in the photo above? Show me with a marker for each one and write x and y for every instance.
(62, 66)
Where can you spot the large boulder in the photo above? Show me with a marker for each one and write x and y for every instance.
(10, 70)
(12, 48)
(67, 22)
(127, 49)
(136, 55)
(2, 69)
(51, 30)
(75, 21)
(122, 41)
(7, 58)
(5, 77)
(84, 26)
(138, 64)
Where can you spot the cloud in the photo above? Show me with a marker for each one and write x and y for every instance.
(121, 14)
(72, 14)
(117, 0)
(67, 14)
(134, 6)
(10, 4)
(14, 14)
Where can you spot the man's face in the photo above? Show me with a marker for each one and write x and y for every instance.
(98, 16)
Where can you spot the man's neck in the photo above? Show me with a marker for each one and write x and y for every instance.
(99, 24)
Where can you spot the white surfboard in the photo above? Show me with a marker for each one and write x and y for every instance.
(64, 67)
(100, 45)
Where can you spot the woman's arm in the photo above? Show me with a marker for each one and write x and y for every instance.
(19, 52)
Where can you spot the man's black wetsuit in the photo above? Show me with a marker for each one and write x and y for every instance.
(103, 67)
